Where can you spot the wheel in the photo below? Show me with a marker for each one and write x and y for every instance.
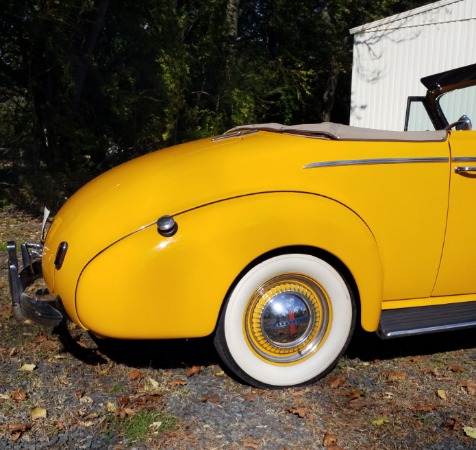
(286, 322)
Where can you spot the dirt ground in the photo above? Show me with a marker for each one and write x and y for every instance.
(61, 389)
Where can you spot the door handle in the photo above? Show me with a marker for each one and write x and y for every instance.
(465, 169)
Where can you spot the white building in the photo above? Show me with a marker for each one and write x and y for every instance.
(392, 54)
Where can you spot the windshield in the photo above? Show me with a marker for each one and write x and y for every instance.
(459, 102)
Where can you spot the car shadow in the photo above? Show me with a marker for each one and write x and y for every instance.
(157, 354)
(184, 353)
(369, 347)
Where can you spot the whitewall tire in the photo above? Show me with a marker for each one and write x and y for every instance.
(286, 322)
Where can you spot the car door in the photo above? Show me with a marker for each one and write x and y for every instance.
(457, 273)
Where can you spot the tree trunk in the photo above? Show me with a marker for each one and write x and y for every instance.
(329, 93)
(232, 13)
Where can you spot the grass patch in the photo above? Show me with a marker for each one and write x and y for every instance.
(116, 387)
(139, 426)
(3, 246)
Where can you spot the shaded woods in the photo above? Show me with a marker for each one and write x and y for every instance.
(85, 85)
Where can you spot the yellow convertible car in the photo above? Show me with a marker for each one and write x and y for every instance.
(276, 239)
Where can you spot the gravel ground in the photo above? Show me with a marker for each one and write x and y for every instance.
(61, 389)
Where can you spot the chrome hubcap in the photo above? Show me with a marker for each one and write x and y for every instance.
(287, 318)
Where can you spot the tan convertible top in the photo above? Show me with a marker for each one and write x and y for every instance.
(329, 130)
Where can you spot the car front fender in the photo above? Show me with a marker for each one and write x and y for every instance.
(150, 286)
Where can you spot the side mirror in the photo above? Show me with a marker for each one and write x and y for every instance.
(463, 123)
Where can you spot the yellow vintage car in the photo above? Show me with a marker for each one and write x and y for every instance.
(276, 239)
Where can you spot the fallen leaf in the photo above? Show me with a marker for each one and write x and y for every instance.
(195, 370)
(135, 375)
(124, 412)
(437, 374)
(40, 338)
(151, 383)
(336, 381)
(122, 401)
(357, 403)
(250, 397)
(211, 398)
(301, 411)
(15, 427)
(250, 443)
(442, 394)
(177, 382)
(155, 426)
(379, 421)
(79, 393)
(111, 407)
(16, 436)
(38, 413)
(469, 386)
(456, 368)
(28, 367)
(86, 399)
(393, 375)
(329, 439)
(353, 394)
(86, 424)
(470, 431)
(221, 373)
(18, 395)
(453, 424)
(424, 407)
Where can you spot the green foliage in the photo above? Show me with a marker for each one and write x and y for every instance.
(85, 85)
(138, 426)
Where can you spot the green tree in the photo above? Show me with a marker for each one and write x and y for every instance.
(86, 84)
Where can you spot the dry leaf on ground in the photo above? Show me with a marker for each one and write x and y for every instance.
(38, 413)
(135, 375)
(470, 431)
(195, 370)
(250, 443)
(329, 439)
(336, 381)
(18, 395)
(300, 411)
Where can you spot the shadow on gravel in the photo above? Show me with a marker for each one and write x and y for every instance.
(161, 354)
(183, 353)
(157, 354)
(368, 347)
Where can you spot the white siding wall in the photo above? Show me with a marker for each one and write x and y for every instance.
(391, 55)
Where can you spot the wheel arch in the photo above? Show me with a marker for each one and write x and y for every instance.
(360, 264)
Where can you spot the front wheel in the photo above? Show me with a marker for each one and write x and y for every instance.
(286, 322)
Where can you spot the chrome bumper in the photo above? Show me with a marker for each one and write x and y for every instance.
(24, 305)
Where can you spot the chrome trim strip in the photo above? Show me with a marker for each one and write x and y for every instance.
(427, 330)
(376, 161)
(464, 159)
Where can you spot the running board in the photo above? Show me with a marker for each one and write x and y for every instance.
(426, 319)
